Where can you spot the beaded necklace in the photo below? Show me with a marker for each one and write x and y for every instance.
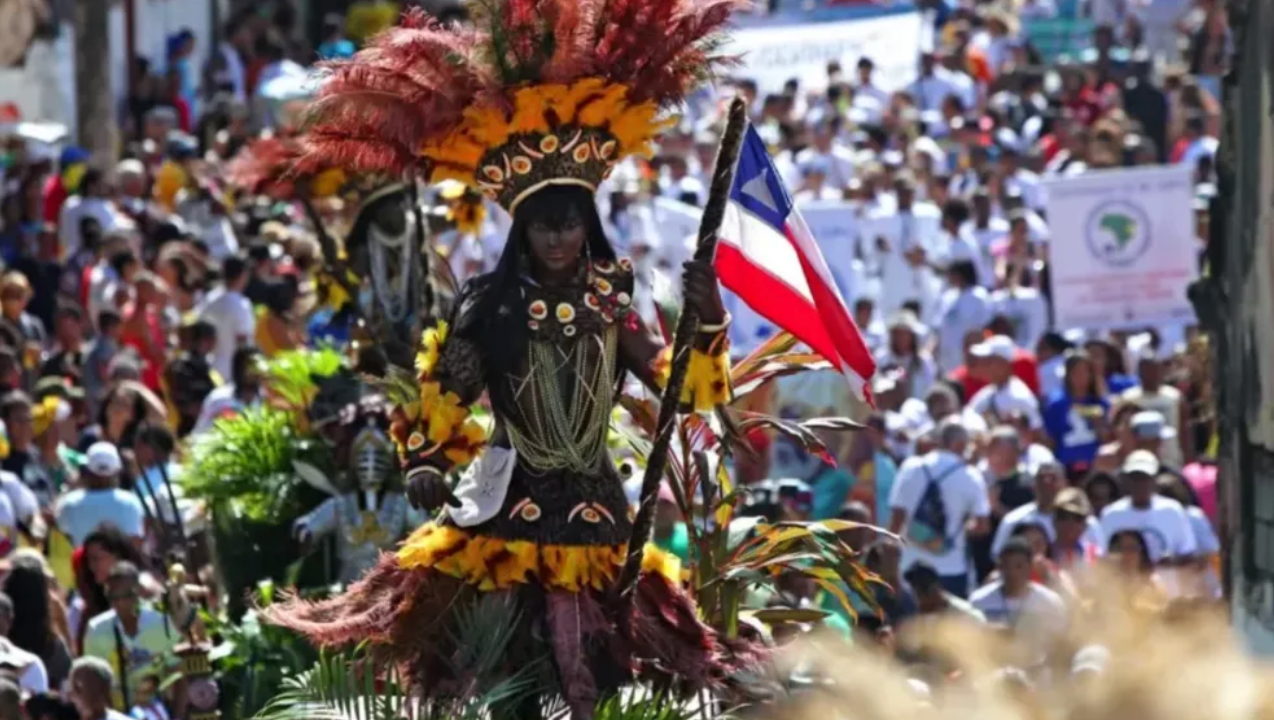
(565, 415)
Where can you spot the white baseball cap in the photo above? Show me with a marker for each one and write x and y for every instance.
(1000, 346)
(103, 459)
(1140, 462)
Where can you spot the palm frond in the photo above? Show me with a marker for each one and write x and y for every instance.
(340, 686)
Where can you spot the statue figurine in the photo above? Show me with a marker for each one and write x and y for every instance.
(531, 512)
(371, 514)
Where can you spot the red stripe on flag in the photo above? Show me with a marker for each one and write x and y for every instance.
(774, 300)
(837, 324)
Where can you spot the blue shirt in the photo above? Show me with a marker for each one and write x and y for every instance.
(1071, 426)
(1116, 383)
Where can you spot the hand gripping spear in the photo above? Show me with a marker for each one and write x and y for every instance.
(683, 340)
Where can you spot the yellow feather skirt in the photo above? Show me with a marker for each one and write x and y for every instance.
(492, 563)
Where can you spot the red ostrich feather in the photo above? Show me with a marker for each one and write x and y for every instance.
(411, 85)
(269, 166)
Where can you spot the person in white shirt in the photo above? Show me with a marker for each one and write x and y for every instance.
(1015, 178)
(100, 501)
(1161, 521)
(1036, 227)
(1050, 479)
(837, 159)
(227, 309)
(1005, 396)
(904, 352)
(872, 328)
(985, 227)
(242, 392)
(865, 87)
(1025, 309)
(1035, 614)
(937, 501)
(960, 245)
(1153, 394)
(934, 84)
(1050, 351)
(90, 202)
(901, 238)
(963, 308)
(814, 186)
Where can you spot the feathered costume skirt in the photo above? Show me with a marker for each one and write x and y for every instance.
(563, 599)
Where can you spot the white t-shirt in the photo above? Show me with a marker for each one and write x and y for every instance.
(1167, 402)
(82, 511)
(1012, 398)
(220, 401)
(33, 677)
(1204, 535)
(73, 212)
(963, 496)
(22, 503)
(1163, 524)
(1027, 312)
(1030, 514)
(959, 312)
(231, 313)
(1039, 613)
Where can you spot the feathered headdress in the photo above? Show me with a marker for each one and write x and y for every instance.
(532, 93)
(274, 166)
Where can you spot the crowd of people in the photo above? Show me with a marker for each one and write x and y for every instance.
(1007, 455)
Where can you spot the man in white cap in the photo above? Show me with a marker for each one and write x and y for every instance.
(1152, 393)
(1161, 520)
(100, 501)
(1005, 397)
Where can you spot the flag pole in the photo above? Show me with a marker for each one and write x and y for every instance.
(683, 340)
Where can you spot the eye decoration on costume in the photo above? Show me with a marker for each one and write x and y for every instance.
(565, 313)
(538, 310)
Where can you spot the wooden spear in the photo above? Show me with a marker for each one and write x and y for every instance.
(682, 342)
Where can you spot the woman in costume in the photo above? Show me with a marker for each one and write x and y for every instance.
(533, 106)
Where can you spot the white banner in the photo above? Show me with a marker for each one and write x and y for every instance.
(1123, 248)
(772, 56)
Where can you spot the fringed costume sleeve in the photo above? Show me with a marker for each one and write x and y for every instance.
(437, 433)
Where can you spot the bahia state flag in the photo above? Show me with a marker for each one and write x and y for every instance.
(767, 256)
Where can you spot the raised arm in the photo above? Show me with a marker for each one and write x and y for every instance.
(708, 375)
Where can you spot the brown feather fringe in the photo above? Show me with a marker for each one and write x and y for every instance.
(405, 615)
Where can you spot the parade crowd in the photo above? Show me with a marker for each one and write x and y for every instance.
(1006, 457)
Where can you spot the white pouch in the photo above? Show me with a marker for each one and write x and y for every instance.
(483, 486)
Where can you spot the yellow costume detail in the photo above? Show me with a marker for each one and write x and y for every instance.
(44, 413)
(434, 423)
(431, 342)
(495, 564)
(707, 382)
(328, 183)
(509, 155)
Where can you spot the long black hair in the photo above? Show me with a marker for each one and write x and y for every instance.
(500, 333)
(27, 586)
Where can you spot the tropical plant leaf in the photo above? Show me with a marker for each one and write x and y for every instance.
(777, 345)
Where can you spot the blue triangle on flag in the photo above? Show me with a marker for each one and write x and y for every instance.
(757, 185)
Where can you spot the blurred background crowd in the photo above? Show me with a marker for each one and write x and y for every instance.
(1010, 454)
